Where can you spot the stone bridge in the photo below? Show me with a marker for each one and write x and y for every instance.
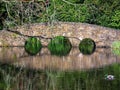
(103, 36)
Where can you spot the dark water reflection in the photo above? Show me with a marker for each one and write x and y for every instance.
(19, 71)
(44, 60)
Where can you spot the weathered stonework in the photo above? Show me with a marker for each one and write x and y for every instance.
(101, 35)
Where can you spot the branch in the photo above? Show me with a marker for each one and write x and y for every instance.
(69, 3)
(74, 38)
(16, 32)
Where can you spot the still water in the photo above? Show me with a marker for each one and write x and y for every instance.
(20, 71)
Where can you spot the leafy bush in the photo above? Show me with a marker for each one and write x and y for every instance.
(59, 45)
(115, 20)
(100, 12)
(20, 13)
(87, 46)
(32, 46)
(104, 12)
(116, 47)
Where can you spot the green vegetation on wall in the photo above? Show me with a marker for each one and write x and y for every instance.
(59, 45)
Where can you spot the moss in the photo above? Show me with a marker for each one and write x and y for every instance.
(116, 47)
(60, 46)
(32, 46)
(87, 46)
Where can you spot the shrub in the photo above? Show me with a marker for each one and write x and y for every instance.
(116, 47)
(32, 46)
(59, 45)
(87, 46)
(115, 20)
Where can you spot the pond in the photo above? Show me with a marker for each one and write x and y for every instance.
(75, 71)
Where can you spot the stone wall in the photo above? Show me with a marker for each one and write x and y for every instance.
(74, 31)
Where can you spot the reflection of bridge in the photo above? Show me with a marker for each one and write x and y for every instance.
(74, 61)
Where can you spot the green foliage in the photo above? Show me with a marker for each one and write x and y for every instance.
(20, 13)
(35, 12)
(59, 45)
(116, 47)
(115, 20)
(80, 1)
(100, 12)
(70, 13)
(32, 45)
(3, 14)
(2, 7)
(87, 46)
(104, 12)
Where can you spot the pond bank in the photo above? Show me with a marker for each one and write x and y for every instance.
(74, 31)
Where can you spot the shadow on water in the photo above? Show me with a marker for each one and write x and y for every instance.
(19, 71)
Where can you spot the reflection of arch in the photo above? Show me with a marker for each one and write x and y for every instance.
(74, 61)
(70, 62)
